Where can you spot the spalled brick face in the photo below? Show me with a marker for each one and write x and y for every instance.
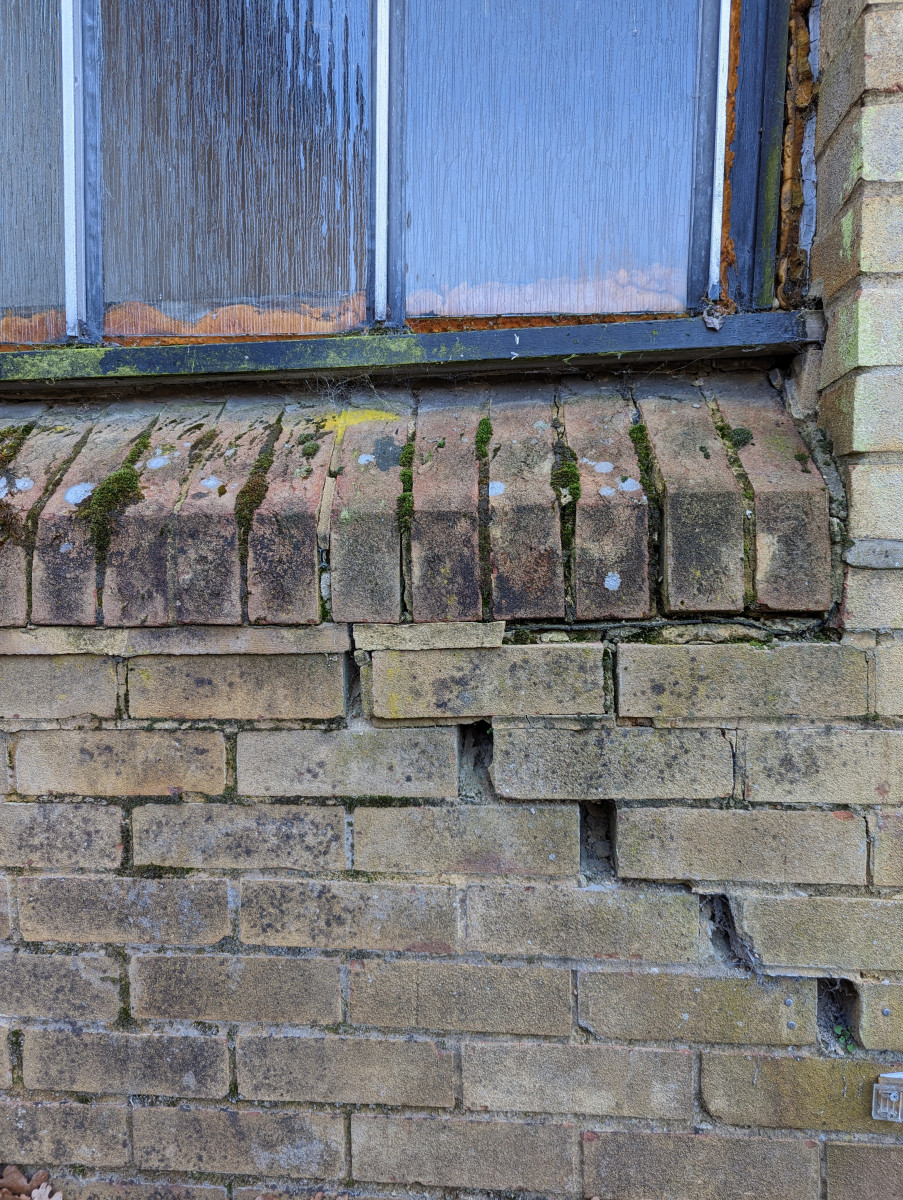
(371, 906)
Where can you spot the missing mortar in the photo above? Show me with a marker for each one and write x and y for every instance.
(481, 445)
(727, 942)
(642, 446)
(732, 440)
(475, 784)
(597, 824)
(247, 501)
(837, 1005)
(405, 508)
(565, 480)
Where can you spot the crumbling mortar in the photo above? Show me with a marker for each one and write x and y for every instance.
(731, 440)
(248, 499)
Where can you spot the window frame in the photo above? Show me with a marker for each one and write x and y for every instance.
(753, 228)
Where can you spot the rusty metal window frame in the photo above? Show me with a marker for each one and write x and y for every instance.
(758, 99)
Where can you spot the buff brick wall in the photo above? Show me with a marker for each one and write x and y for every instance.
(490, 843)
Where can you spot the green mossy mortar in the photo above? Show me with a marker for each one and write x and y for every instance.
(639, 435)
(483, 437)
(110, 497)
(405, 503)
(11, 440)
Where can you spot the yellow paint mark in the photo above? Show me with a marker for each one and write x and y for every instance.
(341, 421)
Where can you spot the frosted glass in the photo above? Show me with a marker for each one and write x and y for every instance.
(235, 177)
(31, 176)
(549, 154)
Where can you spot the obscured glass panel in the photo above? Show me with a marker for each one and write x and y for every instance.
(550, 155)
(235, 152)
(31, 173)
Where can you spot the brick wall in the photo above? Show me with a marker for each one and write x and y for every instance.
(490, 790)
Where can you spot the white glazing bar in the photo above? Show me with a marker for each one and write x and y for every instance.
(724, 45)
(73, 166)
(381, 164)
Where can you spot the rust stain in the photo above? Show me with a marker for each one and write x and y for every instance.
(136, 319)
(15, 330)
(792, 259)
(728, 252)
(535, 321)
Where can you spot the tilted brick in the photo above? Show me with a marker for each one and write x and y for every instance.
(864, 412)
(349, 916)
(474, 840)
(824, 932)
(793, 544)
(790, 1093)
(230, 835)
(694, 1008)
(865, 146)
(60, 836)
(126, 762)
(349, 762)
(238, 687)
(64, 570)
(130, 1063)
(292, 1145)
(59, 686)
(295, 991)
(283, 581)
(855, 1171)
(889, 679)
(868, 58)
(458, 997)
(602, 1080)
(611, 550)
(887, 851)
(861, 240)
(686, 1166)
(743, 681)
(524, 525)
(365, 540)
(592, 922)
(91, 1135)
(82, 987)
(190, 912)
(207, 581)
(544, 762)
(879, 1015)
(25, 483)
(449, 1152)
(138, 587)
(445, 552)
(824, 766)
(512, 681)
(744, 847)
(864, 330)
(344, 1070)
(702, 507)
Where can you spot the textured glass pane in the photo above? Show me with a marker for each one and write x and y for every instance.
(31, 172)
(549, 155)
(234, 165)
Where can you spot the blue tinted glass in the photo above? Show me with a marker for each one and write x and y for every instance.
(235, 152)
(550, 155)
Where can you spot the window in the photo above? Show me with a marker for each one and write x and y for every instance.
(266, 168)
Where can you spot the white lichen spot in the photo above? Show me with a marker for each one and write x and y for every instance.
(24, 484)
(158, 461)
(606, 491)
(540, 424)
(629, 485)
(602, 468)
(326, 585)
(364, 459)
(232, 450)
(612, 581)
(496, 488)
(4, 488)
(212, 482)
(78, 492)
(66, 547)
